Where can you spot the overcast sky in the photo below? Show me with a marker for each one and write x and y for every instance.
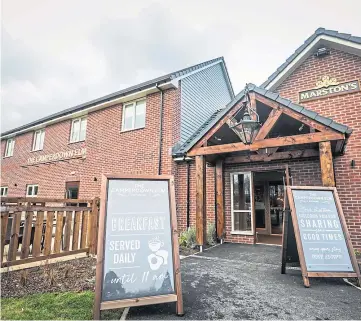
(57, 54)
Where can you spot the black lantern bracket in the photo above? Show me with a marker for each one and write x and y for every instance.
(248, 126)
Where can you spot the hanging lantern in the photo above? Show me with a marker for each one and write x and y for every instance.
(246, 128)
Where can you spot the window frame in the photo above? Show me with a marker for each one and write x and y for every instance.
(4, 188)
(42, 139)
(32, 185)
(252, 231)
(80, 119)
(134, 104)
(12, 139)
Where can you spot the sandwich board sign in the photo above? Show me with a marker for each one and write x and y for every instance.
(318, 227)
(138, 254)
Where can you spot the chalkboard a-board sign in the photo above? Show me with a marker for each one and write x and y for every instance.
(321, 235)
(138, 253)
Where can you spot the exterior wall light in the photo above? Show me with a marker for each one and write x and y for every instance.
(246, 128)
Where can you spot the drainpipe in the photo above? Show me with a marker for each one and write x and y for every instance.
(188, 193)
(160, 129)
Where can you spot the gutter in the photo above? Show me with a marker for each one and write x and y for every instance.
(81, 110)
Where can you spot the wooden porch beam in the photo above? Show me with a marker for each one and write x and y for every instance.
(327, 173)
(223, 121)
(219, 199)
(270, 157)
(302, 118)
(269, 123)
(201, 229)
(270, 142)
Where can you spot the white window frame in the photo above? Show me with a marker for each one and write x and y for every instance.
(81, 120)
(9, 149)
(242, 211)
(4, 191)
(40, 132)
(27, 190)
(134, 104)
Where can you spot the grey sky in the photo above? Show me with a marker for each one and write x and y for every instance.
(57, 54)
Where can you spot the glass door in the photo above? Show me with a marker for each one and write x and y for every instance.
(242, 203)
(276, 196)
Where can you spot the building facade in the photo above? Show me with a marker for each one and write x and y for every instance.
(322, 81)
(157, 128)
(131, 131)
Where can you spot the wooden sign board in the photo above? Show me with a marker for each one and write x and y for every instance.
(138, 253)
(318, 227)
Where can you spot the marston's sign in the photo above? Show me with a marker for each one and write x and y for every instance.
(69, 154)
(329, 87)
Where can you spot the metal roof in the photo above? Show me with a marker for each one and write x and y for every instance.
(318, 32)
(142, 86)
(200, 132)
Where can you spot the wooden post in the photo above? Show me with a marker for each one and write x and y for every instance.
(200, 200)
(4, 226)
(220, 200)
(327, 174)
(93, 227)
(286, 217)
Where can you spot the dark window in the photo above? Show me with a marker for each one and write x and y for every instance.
(72, 191)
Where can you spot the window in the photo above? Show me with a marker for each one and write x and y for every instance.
(38, 142)
(241, 203)
(3, 191)
(32, 190)
(9, 150)
(134, 115)
(72, 190)
(78, 130)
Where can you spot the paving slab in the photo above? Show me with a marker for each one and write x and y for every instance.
(236, 281)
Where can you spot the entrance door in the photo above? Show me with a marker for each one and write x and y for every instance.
(72, 190)
(242, 203)
(269, 199)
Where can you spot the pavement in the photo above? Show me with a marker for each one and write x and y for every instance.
(239, 281)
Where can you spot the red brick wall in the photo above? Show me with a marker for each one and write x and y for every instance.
(108, 151)
(345, 109)
(181, 191)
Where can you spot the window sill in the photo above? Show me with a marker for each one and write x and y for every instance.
(79, 141)
(36, 150)
(242, 233)
(8, 156)
(129, 130)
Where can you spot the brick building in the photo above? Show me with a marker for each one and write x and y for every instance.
(179, 124)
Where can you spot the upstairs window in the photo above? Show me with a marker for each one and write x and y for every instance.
(78, 130)
(38, 142)
(3, 191)
(9, 150)
(32, 190)
(134, 115)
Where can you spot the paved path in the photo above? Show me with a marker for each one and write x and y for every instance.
(234, 281)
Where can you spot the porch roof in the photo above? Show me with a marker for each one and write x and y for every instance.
(219, 114)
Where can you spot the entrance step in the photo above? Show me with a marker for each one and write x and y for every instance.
(275, 239)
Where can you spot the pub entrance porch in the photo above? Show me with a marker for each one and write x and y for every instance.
(256, 173)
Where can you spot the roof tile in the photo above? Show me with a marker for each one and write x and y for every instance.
(117, 94)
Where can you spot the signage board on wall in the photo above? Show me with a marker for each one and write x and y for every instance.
(321, 235)
(58, 156)
(138, 256)
(328, 87)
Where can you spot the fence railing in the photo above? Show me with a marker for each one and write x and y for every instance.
(35, 229)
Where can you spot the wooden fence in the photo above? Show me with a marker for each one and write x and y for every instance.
(35, 229)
